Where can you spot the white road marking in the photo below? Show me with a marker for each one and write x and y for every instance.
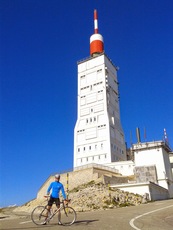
(25, 222)
(137, 217)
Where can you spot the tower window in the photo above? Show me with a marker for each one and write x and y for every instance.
(100, 70)
(83, 148)
(78, 150)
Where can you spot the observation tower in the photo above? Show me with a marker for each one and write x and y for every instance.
(98, 134)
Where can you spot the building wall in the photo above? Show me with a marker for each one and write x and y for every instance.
(126, 168)
(90, 141)
(151, 190)
(98, 135)
(167, 163)
(171, 161)
(145, 157)
(154, 153)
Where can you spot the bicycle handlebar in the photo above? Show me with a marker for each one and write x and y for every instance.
(46, 196)
(67, 200)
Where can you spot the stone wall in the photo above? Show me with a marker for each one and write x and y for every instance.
(146, 174)
(75, 178)
(79, 177)
(114, 179)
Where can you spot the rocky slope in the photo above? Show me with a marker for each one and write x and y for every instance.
(92, 196)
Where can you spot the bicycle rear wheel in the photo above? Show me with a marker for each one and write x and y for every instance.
(39, 215)
(68, 216)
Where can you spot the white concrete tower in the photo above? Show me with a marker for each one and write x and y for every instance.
(98, 134)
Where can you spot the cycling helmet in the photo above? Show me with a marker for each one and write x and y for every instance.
(57, 176)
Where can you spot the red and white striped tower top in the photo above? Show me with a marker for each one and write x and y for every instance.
(96, 40)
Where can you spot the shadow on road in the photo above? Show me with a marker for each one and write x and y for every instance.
(86, 222)
(78, 222)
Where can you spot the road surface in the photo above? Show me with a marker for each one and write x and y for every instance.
(152, 216)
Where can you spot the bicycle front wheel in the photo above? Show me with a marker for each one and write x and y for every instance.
(39, 215)
(68, 216)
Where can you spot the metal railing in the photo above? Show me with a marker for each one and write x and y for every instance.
(96, 166)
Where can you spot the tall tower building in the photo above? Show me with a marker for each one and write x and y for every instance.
(98, 134)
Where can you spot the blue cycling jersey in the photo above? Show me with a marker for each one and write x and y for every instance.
(56, 186)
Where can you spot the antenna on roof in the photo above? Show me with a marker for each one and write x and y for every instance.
(165, 137)
(145, 134)
(138, 135)
(96, 40)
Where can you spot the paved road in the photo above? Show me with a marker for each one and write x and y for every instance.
(153, 216)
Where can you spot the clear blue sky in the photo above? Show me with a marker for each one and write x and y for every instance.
(40, 44)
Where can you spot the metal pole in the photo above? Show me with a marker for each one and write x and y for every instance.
(67, 185)
(109, 190)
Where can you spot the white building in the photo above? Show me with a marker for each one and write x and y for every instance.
(171, 160)
(98, 134)
(152, 163)
(151, 169)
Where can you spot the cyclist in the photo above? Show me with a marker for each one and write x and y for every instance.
(55, 187)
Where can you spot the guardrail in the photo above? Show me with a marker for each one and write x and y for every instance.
(96, 166)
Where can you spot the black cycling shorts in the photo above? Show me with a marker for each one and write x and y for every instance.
(52, 200)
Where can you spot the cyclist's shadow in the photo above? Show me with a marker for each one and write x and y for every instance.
(85, 222)
(77, 222)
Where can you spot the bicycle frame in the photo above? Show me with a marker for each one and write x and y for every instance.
(62, 206)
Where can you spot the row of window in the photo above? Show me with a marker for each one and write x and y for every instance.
(99, 157)
(91, 86)
(84, 88)
(98, 146)
(93, 158)
(94, 147)
(98, 71)
(116, 148)
(91, 119)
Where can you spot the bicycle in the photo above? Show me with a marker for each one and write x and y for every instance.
(41, 216)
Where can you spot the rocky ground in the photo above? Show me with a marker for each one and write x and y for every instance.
(91, 196)
(9, 213)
